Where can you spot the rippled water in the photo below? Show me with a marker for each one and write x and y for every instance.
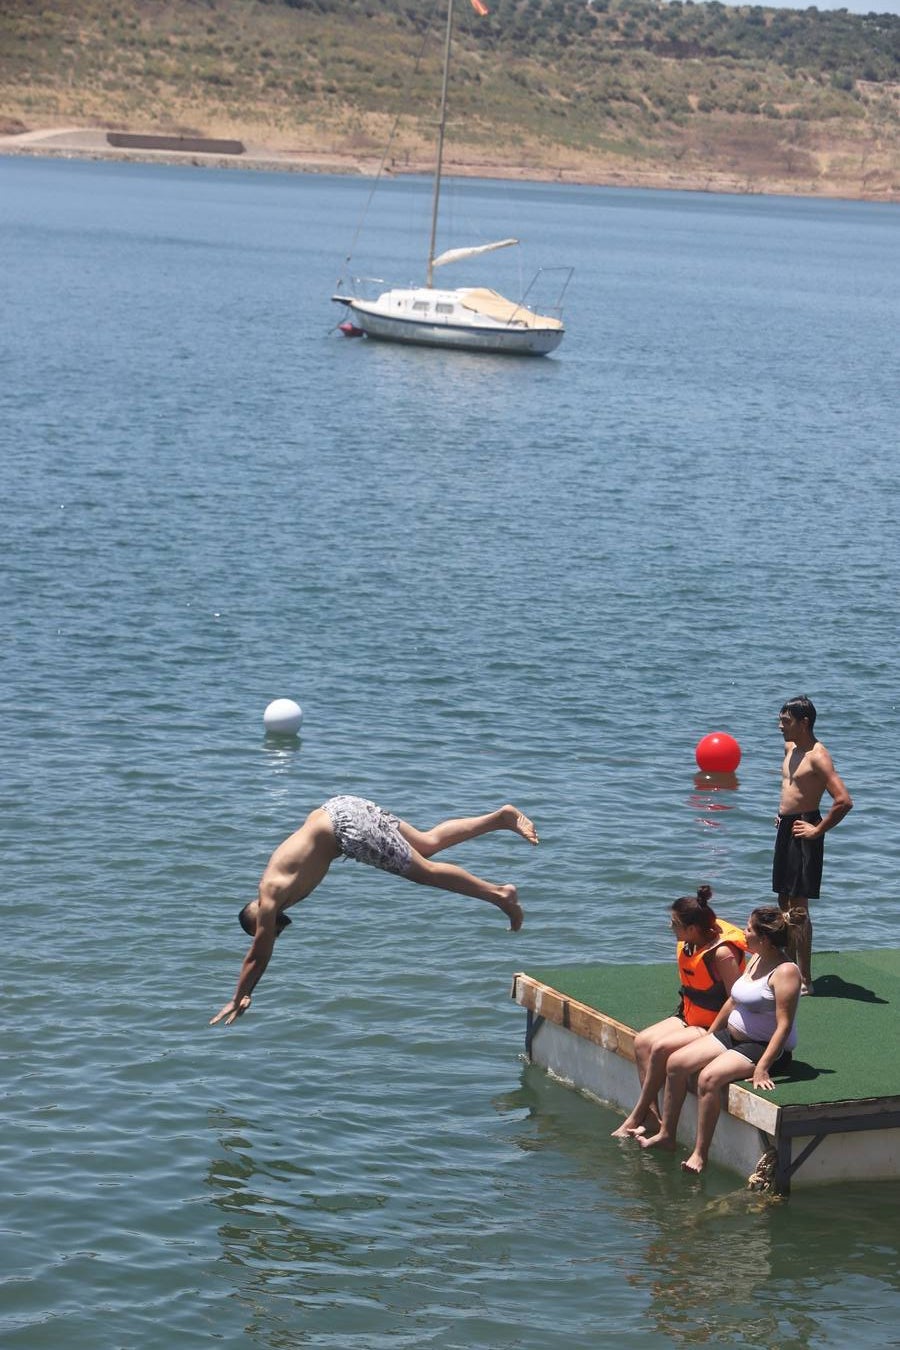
(484, 580)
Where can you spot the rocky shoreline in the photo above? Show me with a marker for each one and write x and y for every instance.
(95, 143)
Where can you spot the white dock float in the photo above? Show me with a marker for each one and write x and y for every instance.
(835, 1116)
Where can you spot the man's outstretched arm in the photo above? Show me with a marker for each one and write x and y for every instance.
(255, 963)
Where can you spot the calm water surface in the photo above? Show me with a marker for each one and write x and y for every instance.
(484, 580)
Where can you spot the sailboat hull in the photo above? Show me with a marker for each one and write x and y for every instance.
(460, 331)
(506, 341)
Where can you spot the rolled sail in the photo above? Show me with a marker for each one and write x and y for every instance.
(458, 254)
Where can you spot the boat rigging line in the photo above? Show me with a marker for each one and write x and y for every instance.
(387, 150)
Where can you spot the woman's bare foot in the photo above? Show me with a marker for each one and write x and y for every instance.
(659, 1140)
(630, 1126)
(694, 1164)
(513, 819)
(509, 902)
(651, 1124)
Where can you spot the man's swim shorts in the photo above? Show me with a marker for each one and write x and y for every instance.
(797, 865)
(368, 834)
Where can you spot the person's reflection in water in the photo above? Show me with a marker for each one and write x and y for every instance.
(269, 1255)
(679, 1231)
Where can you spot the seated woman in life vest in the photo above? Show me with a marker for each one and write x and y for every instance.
(710, 955)
(751, 1038)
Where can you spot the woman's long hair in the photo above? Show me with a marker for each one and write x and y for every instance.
(773, 925)
(696, 911)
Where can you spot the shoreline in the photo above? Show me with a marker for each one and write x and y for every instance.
(93, 144)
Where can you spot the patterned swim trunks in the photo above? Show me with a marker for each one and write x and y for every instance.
(368, 834)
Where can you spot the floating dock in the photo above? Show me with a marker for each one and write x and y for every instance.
(834, 1116)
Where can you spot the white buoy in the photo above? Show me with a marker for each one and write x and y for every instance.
(283, 717)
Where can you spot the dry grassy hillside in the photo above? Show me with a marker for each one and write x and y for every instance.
(745, 99)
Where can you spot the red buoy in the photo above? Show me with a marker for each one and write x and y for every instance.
(718, 753)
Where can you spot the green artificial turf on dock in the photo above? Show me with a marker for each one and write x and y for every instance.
(849, 1030)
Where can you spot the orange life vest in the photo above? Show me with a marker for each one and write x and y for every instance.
(702, 995)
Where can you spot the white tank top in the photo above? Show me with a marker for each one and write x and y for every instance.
(753, 1014)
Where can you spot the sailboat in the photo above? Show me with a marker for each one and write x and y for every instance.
(469, 318)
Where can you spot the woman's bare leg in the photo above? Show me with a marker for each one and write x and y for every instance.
(449, 877)
(725, 1068)
(683, 1064)
(450, 832)
(652, 1048)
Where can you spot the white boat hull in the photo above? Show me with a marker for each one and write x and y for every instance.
(470, 319)
(503, 339)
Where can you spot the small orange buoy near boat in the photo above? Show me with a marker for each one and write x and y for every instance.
(350, 329)
(718, 753)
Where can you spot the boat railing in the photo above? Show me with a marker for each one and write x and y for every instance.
(369, 288)
(553, 309)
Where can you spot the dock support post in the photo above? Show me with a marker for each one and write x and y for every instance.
(783, 1169)
(533, 1024)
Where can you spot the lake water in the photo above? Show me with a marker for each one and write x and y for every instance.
(484, 579)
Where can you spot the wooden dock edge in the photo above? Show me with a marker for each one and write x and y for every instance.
(548, 1004)
(579, 1018)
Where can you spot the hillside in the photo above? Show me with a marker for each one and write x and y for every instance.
(630, 91)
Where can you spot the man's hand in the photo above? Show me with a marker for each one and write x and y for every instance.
(803, 829)
(231, 1012)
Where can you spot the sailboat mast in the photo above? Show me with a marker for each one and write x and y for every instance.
(436, 195)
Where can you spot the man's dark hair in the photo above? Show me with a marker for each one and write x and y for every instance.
(281, 922)
(801, 707)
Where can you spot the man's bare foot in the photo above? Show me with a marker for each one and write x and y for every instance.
(694, 1164)
(659, 1140)
(509, 903)
(513, 819)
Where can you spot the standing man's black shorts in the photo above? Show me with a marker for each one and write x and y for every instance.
(797, 866)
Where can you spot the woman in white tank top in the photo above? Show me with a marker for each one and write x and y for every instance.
(754, 1014)
(752, 1036)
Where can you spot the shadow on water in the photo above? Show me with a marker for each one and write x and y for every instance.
(721, 1264)
(250, 1194)
(270, 1261)
(710, 783)
(300, 1244)
(282, 748)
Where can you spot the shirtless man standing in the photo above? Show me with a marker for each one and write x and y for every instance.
(806, 774)
(359, 829)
